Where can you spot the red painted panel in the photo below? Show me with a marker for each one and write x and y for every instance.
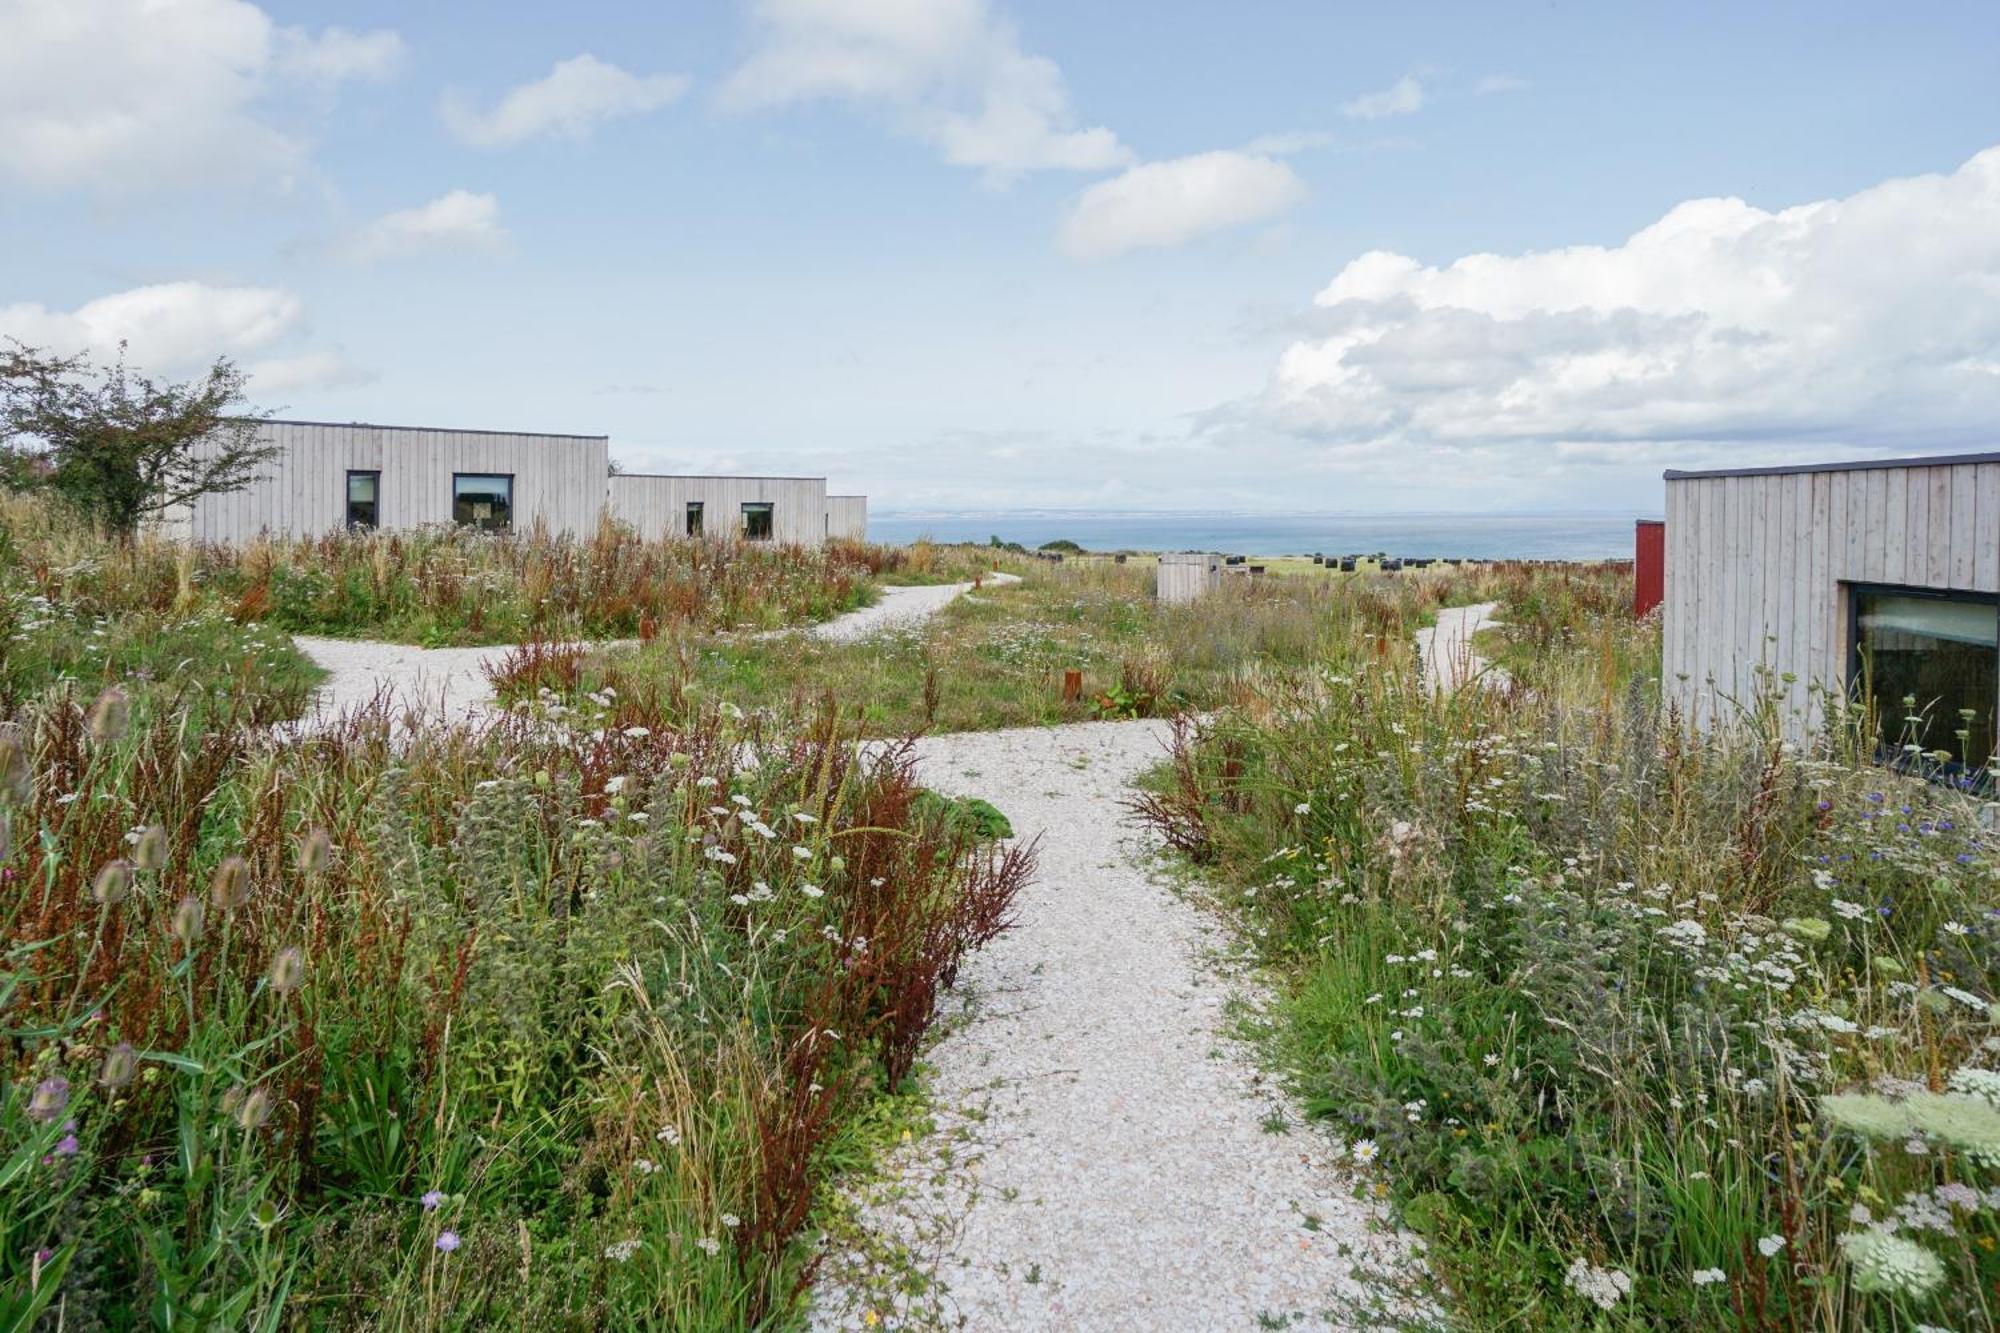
(1649, 565)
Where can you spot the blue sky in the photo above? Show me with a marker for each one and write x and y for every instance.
(973, 254)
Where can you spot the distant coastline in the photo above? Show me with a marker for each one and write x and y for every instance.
(1550, 536)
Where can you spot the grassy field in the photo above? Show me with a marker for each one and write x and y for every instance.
(1644, 1031)
(997, 657)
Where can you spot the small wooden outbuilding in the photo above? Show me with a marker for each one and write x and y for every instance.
(1880, 577)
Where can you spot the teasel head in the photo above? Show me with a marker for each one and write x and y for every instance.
(149, 853)
(17, 780)
(110, 716)
(113, 882)
(230, 888)
(288, 970)
(315, 854)
(188, 920)
(249, 1107)
(121, 1062)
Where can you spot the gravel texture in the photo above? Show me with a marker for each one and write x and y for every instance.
(1449, 661)
(898, 607)
(1106, 1155)
(449, 685)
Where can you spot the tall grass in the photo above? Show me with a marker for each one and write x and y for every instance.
(552, 1024)
(441, 585)
(1648, 1029)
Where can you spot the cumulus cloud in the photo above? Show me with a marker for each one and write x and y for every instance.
(459, 220)
(571, 100)
(1172, 202)
(121, 96)
(1871, 319)
(1403, 97)
(169, 326)
(952, 70)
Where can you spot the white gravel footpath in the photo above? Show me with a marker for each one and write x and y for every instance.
(450, 685)
(1102, 1157)
(1446, 648)
(898, 607)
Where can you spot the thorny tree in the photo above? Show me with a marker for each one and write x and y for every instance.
(121, 446)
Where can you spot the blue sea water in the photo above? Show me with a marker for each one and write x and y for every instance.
(1479, 536)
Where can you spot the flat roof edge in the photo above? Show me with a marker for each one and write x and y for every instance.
(711, 476)
(1860, 465)
(435, 430)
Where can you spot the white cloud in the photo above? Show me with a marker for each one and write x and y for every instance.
(953, 71)
(170, 326)
(459, 220)
(1499, 83)
(571, 100)
(1404, 96)
(177, 328)
(121, 96)
(1288, 142)
(1872, 319)
(338, 55)
(1170, 203)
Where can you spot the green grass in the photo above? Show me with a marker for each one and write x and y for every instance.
(997, 657)
(1583, 982)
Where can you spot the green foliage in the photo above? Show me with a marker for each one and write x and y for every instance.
(1648, 1030)
(121, 447)
(1062, 544)
(982, 819)
(528, 1026)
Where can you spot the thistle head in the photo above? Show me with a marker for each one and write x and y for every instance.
(110, 716)
(315, 853)
(188, 920)
(150, 851)
(17, 779)
(113, 882)
(230, 888)
(288, 970)
(121, 1062)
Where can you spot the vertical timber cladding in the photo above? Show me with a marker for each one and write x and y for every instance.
(847, 517)
(558, 479)
(1757, 563)
(656, 506)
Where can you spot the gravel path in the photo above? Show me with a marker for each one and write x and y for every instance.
(1449, 661)
(449, 685)
(899, 606)
(1106, 1156)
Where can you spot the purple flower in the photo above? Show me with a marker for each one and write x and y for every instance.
(432, 1200)
(66, 1146)
(49, 1098)
(1825, 806)
(43, 1255)
(447, 1241)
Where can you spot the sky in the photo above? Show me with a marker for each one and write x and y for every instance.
(991, 254)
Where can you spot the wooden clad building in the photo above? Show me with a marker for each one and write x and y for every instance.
(327, 477)
(1883, 576)
(786, 509)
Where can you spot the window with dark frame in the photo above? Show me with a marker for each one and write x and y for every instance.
(757, 521)
(364, 500)
(483, 500)
(694, 518)
(1929, 661)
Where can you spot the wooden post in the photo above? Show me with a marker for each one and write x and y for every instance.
(1072, 686)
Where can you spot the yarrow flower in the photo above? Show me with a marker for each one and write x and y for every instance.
(1768, 1246)
(709, 1245)
(1708, 1277)
(622, 1251)
(1602, 1287)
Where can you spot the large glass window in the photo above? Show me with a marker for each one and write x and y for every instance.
(757, 521)
(694, 518)
(1931, 665)
(364, 496)
(483, 500)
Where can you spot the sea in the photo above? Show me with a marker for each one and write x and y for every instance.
(1583, 536)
